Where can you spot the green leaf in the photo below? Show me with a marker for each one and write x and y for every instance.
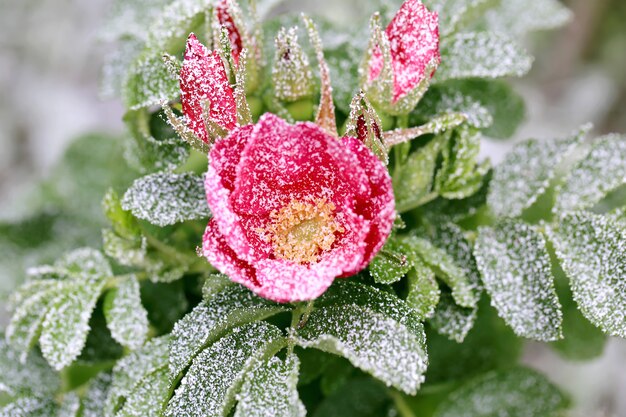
(458, 14)
(481, 55)
(232, 307)
(446, 269)
(391, 264)
(518, 17)
(270, 389)
(128, 252)
(359, 397)
(592, 252)
(70, 406)
(30, 376)
(126, 318)
(149, 397)
(149, 82)
(424, 292)
(216, 374)
(29, 407)
(515, 267)
(94, 400)
(214, 284)
(413, 180)
(165, 199)
(603, 170)
(371, 341)
(451, 320)
(85, 265)
(526, 173)
(132, 369)
(518, 392)
(123, 222)
(65, 328)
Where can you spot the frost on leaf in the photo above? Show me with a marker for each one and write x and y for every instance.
(451, 320)
(165, 199)
(233, 306)
(357, 397)
(149, 396)
(271, 390)
(526, 173)
(424, 291)
(482, 55)
(592, 252)
(94, 399)
(132, 369)
(31, 376)
(84, 264)
(216, 374)
(518, 17)
(126, 318)
(128, 252)
(29, 407)
(371, 341)
(603, 170)
(391, 264)
(70, 406)
(517, 392)
(457, 14)
(66, 325)
(149, 82)
(516, 271)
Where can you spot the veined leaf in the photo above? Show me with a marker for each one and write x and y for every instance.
(371, 341)
(164, 199)
(424, 292)
(126, 252)
(149, 397)
(518, 392)
(592, 252)
(29, 407)
(271, 389)
(84, 264)
(451, 320)
(359, 397)
(391, 264)
(216, 374)
(515, 267)
(518, 17)
(126, 318)
(94, 400)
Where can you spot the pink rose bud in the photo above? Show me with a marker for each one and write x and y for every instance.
(225, 20)
(294, 208)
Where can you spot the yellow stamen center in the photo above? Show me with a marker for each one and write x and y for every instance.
(302, 230)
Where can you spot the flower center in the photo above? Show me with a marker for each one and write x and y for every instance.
(302, 231)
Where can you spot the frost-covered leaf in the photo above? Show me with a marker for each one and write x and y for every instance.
(518, 392)
(371, 341)
(149, 82)
(214, 284)
(126, 318)
(129, 252)
(271, 389)
(44, 277)
(165, 199)
(149, 397)
(174, 21)
(481, 55)
(29, 407)
(232, 307)
(592, 252)
(515, 268)
(451, 320)
(32, 376)
(94, 400)
(123, 222)
(132, 369)
(456, 14)
(526, 173)
(216, 374)
(518, 17)
(390, 265)
(424, 292)
(131, 17)
(446, 269)
(603, 170)
(84, 265)
(65, 328)
(359, 397)
(70, 406)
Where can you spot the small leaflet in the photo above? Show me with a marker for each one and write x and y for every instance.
(526, 173)
(424, 292)
(592, 252)
(458, 14)
(94, 399)
(149, 396)
(216, 374)
(451, 320)
(126, 318)
(518, 17)
(603, 170)
(271, 390)
(481, 55)
(517, 392)
(391, 264)
(29, 407)
(164, 199)
(149, 82)
(371, 341)
(516, 271)
(128, 252)
(70, 406)
(85, 265)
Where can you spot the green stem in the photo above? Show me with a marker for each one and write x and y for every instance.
(299, 317)
(426, 199)
(401, 405)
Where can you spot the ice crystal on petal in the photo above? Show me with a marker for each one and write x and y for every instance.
(126, 318)
(515, 268)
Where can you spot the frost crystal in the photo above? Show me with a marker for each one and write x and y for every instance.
(452, 320)
(518, 17)
(291, 73)
(149, 396)
(29, 407)
(126, 318)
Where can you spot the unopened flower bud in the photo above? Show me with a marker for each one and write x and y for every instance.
(291, 73)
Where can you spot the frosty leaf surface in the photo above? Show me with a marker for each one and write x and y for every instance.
(126, 318)
(456, 14)
(123, 222)
(600, 172)
(518, 392)
(165, 199)
(29, 407)
(371, 341)
(149, 396)
(446, 269)
(518, 17)
(481, 55)
(390, 265)
(526, 172)
(451, 320)
(130, 370)
(271, 389)
(31, 376)
(65, 328)
(424, 291)
(232, 307)
(215, 375)
(84, 264)
(126, 252)
(515, 268)
(95, 397)
(70, 406)
(592, 253)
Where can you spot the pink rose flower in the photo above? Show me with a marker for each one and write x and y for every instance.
(413, 36)
(294, 208)
(204, 86)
